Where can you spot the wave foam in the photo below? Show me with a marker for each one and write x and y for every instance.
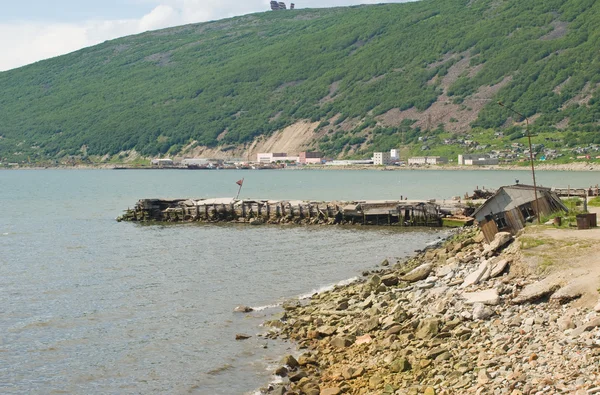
(328, 288)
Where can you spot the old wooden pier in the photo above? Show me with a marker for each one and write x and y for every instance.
(254, 211)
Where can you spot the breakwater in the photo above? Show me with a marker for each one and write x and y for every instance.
(256, 211)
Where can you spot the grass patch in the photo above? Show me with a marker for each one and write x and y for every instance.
(595, 202)
(531, 242)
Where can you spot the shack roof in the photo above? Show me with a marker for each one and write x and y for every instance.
(509, 197)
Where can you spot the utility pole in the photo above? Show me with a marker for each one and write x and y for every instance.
(530, 157)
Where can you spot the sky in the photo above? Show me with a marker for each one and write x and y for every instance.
(33, 30)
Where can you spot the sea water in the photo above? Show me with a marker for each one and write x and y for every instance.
(89, 305)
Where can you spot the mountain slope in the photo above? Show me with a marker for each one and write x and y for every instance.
(373, 76)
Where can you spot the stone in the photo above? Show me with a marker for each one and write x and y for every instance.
(290, 361)
(483, 377)
(428, 328)
(429, 391)
(331, 391)
(281, 371)
(481, 312)
(307, 359)
(536, 291)
(341, 342)
(375, 381)
(385, 262)
(394, 330)
(475, 276)
(571, 291)
(241, 336)
(326, 330)
(500, 239)
(364, 339)
(243, 309)
(400, 365)
(278, 390)
(499, 268)
(298, 376)
(419, 273)
(597, 307)
(342, 306)
(586, 327)
(389, 280)
(348, 372)
(488, 297)
(370, 324)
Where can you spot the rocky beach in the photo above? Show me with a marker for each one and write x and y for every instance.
(460, 317)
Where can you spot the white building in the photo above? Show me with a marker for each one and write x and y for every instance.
(382, 158)
(476, 160)
(427, 160)
(395, 154)
(270, 157)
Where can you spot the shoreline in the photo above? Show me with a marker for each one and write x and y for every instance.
(566, 167)
(460, 316)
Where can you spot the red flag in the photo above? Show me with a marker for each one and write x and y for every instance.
(240, 182)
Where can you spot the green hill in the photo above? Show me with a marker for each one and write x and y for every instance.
(372, 77)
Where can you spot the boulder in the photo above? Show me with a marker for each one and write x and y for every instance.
(400, 365)
(298, 376)
(537, 290)
(418, 273)
(481, 312)
(341, 342)
(586, 327)
(488, 297)
(364, 339)
(500, 240)
(571, 291)
(499, 268)
(326, 330)
(389, 280)
(241, 336)
(428, 328)
(243, 309)
(475, 276)
(290, 361)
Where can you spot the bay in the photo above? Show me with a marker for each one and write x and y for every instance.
(89, 305)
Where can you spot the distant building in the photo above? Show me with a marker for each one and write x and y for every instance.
(274, 5)
(282, 5)
(349, 162)
(162, 162)
(427, 160)
(476, 160)
(395, 154)
(310, 157)
(382, 158)
(271, 157)
(292, 6)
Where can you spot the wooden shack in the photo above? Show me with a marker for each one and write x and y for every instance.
(512, 206)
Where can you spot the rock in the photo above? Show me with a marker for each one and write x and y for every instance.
(499, 268)
(429, 391)
(342, 306)
(279, 390)
(394, 330)
(326, 330)
(375, 381)
(483, 377)
(586, 327)
(241, 336)
(365, 339)
(481, 312)
(500, 239)
(307, 359)
(243, 309)
(565, 323)
(331, 391)
(256, 221)
(537, 290)
(488, 297)
(571, 291)
(341, 342)
(428, 328)
(389, 280)
(418, 273)
(597, 307)
(290, 361)
(475, 276)
(385, 262)
(370, 324)
(281, 371)
(400, 365)
(298, 376)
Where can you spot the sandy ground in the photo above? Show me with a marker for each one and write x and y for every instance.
(569, 256)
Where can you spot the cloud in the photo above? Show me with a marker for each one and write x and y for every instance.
(23, 43)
